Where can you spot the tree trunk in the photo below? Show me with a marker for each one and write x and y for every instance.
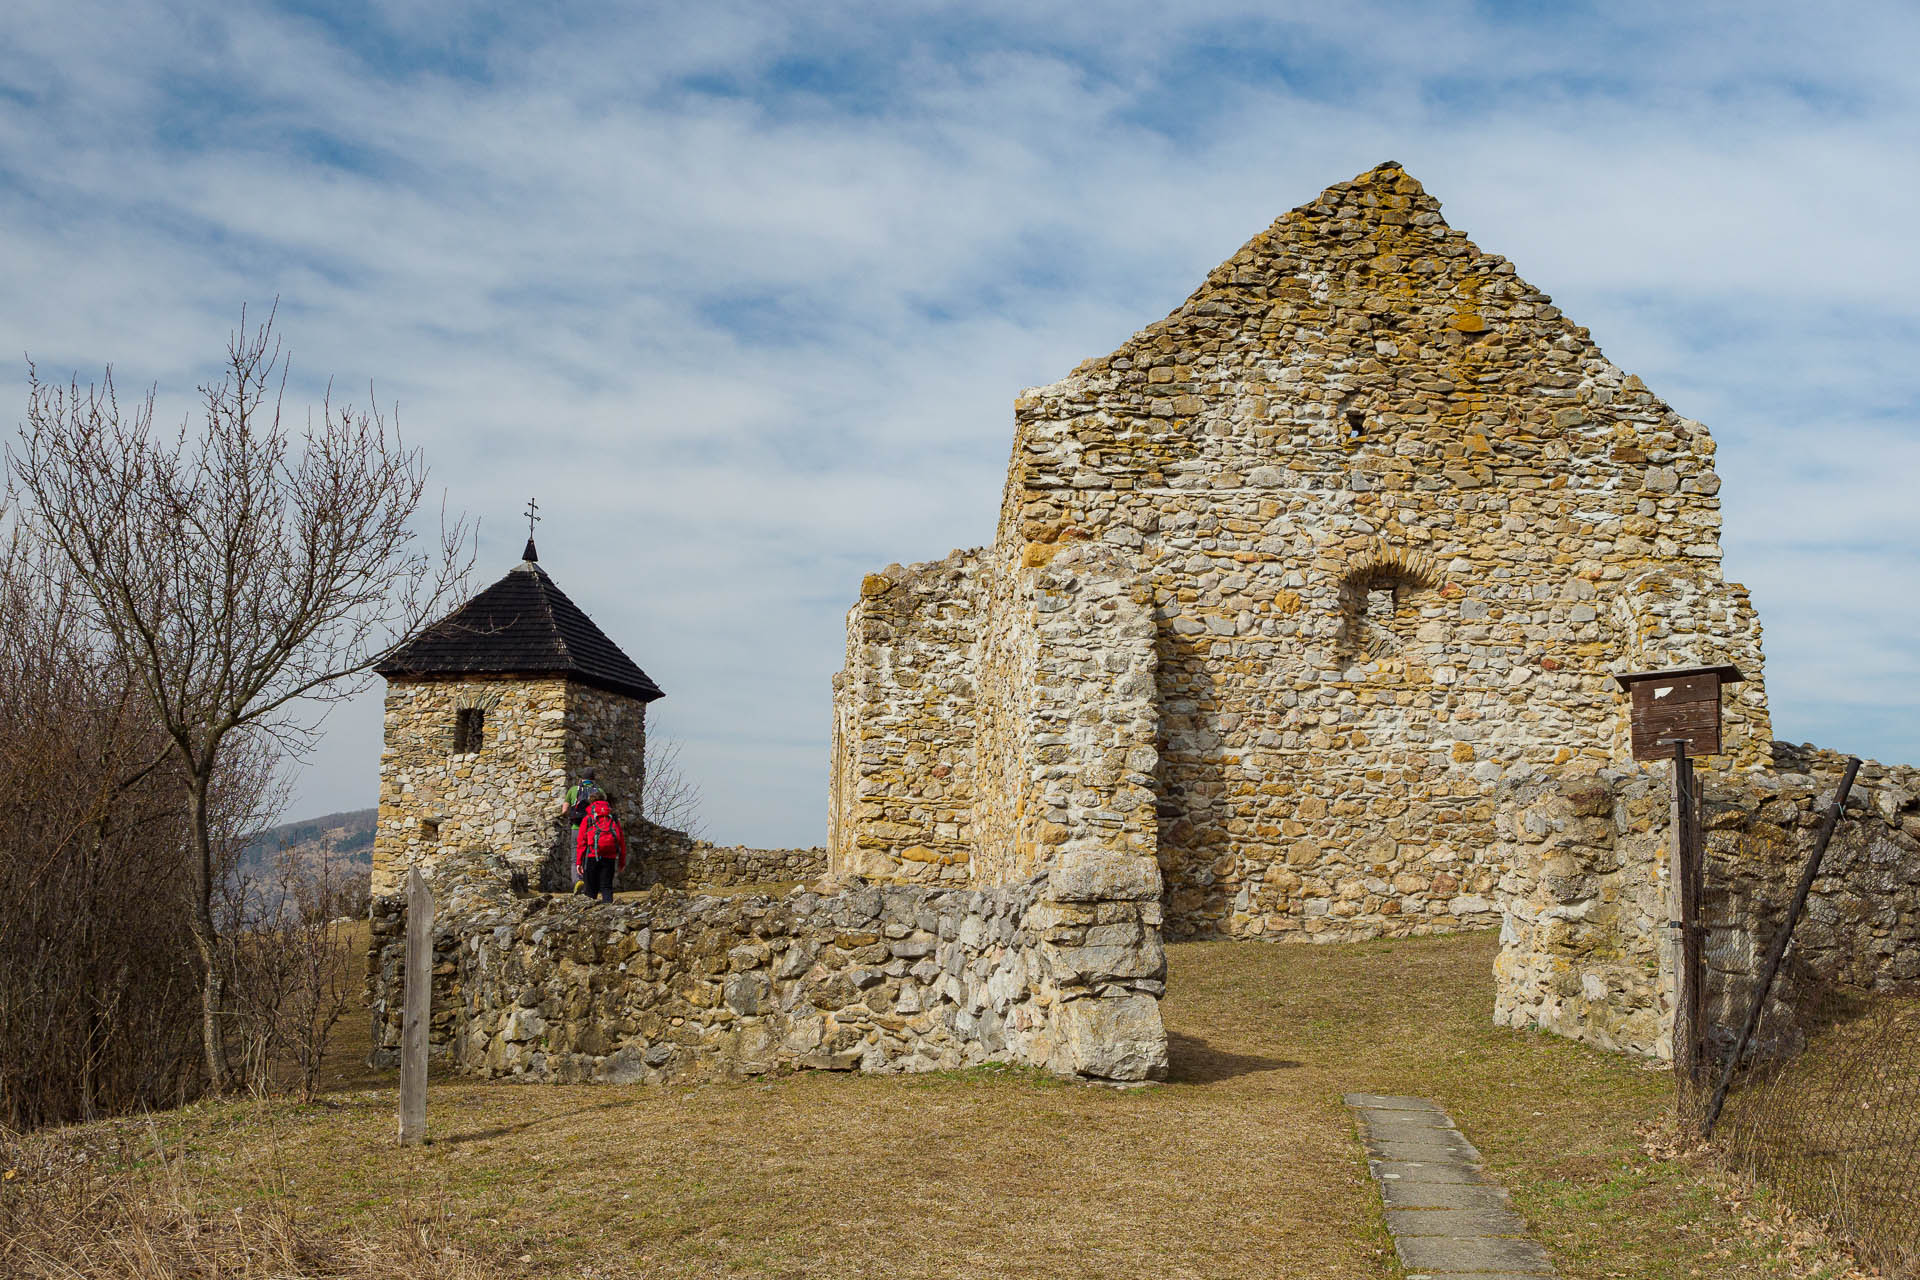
(207, 938)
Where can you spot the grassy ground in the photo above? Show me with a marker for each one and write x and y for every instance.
(1244, 1163)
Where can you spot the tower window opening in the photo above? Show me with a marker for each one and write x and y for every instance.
(469, 727)
(1356, 425)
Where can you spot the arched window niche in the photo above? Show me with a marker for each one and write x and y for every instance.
(1381, 593)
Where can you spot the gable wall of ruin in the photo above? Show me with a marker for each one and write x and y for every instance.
(1398, 520)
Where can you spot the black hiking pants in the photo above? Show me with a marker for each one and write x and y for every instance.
(598, 873)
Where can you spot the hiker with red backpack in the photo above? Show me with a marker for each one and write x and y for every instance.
(599, 849)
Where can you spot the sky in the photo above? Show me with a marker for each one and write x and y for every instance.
(744, 293)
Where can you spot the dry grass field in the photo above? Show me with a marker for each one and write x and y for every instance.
(1243, 1163)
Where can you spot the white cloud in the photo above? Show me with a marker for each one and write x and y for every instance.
(744, 292)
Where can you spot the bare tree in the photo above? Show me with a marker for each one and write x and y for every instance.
(237, 575)
(668, 797)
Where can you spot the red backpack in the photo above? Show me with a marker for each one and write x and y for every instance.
(603, 838)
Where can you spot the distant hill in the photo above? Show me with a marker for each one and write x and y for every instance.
(347, 836)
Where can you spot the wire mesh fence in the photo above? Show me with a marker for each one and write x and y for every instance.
(1831, 1119)
(1792, 938)
(1824, 1104)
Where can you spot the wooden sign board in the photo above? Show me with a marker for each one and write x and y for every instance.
(1684, 704)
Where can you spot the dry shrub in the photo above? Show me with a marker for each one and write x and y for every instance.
(98, 978)
(239, 572)
(294, 975)
(69, 1212)
(101, 980)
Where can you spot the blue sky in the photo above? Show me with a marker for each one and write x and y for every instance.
(744, 293)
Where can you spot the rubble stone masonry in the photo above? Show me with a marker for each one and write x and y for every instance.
(509, 796)
(668, 986)
(505, 796)
(900, 803)
(1386, 521)
(666, 857)
(1582, 948)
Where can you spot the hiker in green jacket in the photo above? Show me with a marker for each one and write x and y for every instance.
(579, 796)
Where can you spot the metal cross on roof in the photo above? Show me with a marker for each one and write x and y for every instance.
(533, 516)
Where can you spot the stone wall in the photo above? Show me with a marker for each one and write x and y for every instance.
(510, 795)
(1071, 770)
(662, 856)
(1061, 973)
(505, 796)
(944, 786)
(1583, 944)
(1397, 521)
(900, 803)
(1005, 661)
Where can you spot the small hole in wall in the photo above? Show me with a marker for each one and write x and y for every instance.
(429, 831)
(1356, 425)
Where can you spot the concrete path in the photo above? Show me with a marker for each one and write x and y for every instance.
(1447, 1220)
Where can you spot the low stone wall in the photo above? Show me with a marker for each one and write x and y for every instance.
(659, 855)
(700, 865)
(1062, 972)
(1583, 942)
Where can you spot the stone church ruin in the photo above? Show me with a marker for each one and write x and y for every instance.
(1361, 527)
(1299, 622)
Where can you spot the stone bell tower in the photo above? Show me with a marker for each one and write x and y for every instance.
(490, 711)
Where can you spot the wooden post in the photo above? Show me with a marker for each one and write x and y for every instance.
(1693, 944)
(417, 1010)
(1678, 711)
(1697, 824)
(1683, 898)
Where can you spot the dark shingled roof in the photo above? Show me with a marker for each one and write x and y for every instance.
(521, 625)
